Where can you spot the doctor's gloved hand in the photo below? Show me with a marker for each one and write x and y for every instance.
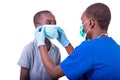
(62, 37)
(39, 36)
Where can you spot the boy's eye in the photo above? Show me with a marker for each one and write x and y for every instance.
(49, 22)
(55, 23)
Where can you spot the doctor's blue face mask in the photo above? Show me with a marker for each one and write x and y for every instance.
(82, 33)
(51, 31)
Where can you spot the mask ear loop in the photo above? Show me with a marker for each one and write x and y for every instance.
(92, 25)
(84, 24)
(89, 28)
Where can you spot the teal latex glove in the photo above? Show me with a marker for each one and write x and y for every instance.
(62, 37)
(39, 36)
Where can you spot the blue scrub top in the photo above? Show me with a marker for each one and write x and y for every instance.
(97, 59)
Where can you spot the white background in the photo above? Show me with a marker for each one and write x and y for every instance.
(17, 29)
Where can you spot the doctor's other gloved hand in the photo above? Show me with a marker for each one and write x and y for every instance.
(40, 36)
(62, 37)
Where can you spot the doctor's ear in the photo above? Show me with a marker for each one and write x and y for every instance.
(92, 23)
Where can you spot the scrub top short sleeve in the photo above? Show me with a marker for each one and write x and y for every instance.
(75, 65)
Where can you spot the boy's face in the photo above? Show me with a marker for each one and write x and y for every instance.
(47, 19)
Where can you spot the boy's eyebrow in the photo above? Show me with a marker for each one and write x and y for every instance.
(51, 20)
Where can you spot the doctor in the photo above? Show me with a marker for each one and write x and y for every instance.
(96, 58)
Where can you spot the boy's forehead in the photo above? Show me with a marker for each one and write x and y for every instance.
(47, 15)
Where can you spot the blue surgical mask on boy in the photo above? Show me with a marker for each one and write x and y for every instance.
(51, 31)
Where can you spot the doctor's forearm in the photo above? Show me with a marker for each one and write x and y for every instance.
(53, 70)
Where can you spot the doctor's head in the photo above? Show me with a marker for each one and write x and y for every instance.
(96, 19)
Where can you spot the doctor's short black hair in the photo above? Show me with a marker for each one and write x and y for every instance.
(101, 13)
